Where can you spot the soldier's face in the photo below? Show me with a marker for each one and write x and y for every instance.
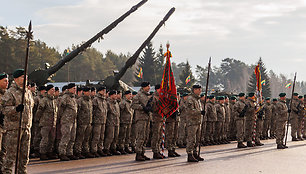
(56, 93)
(33, 89)
(221, 101)
(197, 91)
(51, 91)
(268, 101)
(185, 98)
(4, 83)
(19, 81)
(147, 89)
(129, 96)
(87, 93)
(72, 90)
(283, 98)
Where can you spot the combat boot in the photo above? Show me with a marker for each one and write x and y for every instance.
(196, 156)
(145, 157)
(122, 152)
(176, 154)
(80, 156)
(101, 153)
(133, 149)
(96, 154)
(284, 146)
(52, 155)
(139, 157)
(191, 158)
(295, 139)
(64, 158)
(115, 152)
(88, 155)
(171, 153)
(72, 157)
(258, 143)
(280, 146)
(157, 156)
(241, 145)
(43, 156)
(250, 144)
(107, 152)
(127, 150)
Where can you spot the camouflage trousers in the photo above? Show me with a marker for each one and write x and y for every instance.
(66, 144)
(111, 137)
(124, 135)
(240, 129)
(226, 129)
(219, 130)
(232, 128)
(141, 128)
(97, 141)
(182, 133)
(47, 140)
(170, 141)
(300, 127)
(249, 128)
(3, 151)
(259, 128)
(273, 126)
(156, 136)
(133, 135)
(280, 131)
(267, 127)
(36, 136)
(203, 129)
(294, 126)
(58, 136)
(83, 134)
(193, 137)
(210, 130)
(11, 147)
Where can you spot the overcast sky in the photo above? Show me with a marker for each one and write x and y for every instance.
(243, 29)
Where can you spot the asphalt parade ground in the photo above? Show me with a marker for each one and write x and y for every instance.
(219, 159)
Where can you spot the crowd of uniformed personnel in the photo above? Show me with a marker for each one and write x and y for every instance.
(83, 122)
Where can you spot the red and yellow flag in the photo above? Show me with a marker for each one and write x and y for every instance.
(140, 74)
(187, 80)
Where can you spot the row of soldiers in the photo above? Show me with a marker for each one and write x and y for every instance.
(87, 123)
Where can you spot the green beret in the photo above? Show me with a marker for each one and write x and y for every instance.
(70, 85)
(251, 94)
(184, 94)
(233, 98)
(268, 98)
(134, 93)
(295, 94)
(17, 73)
(112, 92)
(300, 96)
(41, 88)
(49, 87)
(274, 99)
(220, 98)
(202, 95)
(282, 94)
(2, 76)
(86, 89)
(241, 94)
(151, 93)
(196, 86)
(127, 92)
(211, 97)
(145, 84)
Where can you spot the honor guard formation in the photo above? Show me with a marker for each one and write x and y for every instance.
(82, 122)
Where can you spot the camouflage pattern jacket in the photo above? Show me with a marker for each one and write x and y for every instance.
(220, 112)
(296, 108)
(10, 100)
(139, 102)
(282, 111)
(84, 110)
(1, 114)
(113, 113)
(193, 106)
(202, 108)
(232, 110)
(250, 113)
(69, 109)
(238, 108)
(37, 100)
(99, 109)
(183, 109)
(126, 111)
(47, 110)
(211, 111)
(156, 117)
(268, 110)
(227, 112)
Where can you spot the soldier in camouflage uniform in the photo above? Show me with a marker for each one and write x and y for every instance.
(112, 125)
(282, 117)
(3, 87)
(232, 126)
(170, 136)
(47, 110)
(68, 123)
(296, 108)
(219, 129)
(304, 115)
(133, 129)
(211, 114)
(240, 108)
(126, 117)
(268, 118)
(182, 126)
(259, 126)
(84, 121)
(99, 120)
(300, 119)
(11, 103)
(194, 120)
(250, 119)
(227, 120)
(204, 121)
(273, 119)
(142, 117)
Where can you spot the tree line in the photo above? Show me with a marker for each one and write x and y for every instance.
(231, 75)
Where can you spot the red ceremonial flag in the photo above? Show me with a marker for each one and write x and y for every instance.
(168, 103)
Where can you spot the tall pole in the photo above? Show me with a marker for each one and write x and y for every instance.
(290, 106)
(29, 37)
(206, 91)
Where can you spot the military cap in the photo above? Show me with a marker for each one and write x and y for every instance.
(233, 98)
(79, 88)
(134, 93)
(101, 88)
(251, 94)
(196, 86)
(157, 86)
(41, 88)
(118, 92)
(211, 97)
(295, 94)
(145, 84)
(86, 89)
(49, 87)
(202, 95)
(127, 92)
(17, 73)
(56, 89)
(241, 94)
(300, 96)
(112, 92)
(282, 94)
(268, 98)
(225, 97)
(151, 92)
(274, 99)
(70, 85)
(184, 94)
(64, 87)
(32, 84)
(220, 98)
(93, 89)
(2, 76)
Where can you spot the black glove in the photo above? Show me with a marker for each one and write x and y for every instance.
(146, 109)
(1, 119)
(289, 110)
(203, 112)
(20, 108)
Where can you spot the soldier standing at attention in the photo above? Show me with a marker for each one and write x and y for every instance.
(84, 121)
(3, 87)
(268, 118)
(211, 114)
(240, 109)
(126, 116)
(99, 120)
(68, 123)
(142, 119)
(232, 126)
(282, 117)
(296, 108)
(112, 125)
(227, 120)
(250, 119)
(47, 123)
(194, 121)
(273, 119)
(182, 126)
(300, 118)
(204, 121)
(170, 135)
(219, 130)
(11, 103)
(93, 92)
(133, 128)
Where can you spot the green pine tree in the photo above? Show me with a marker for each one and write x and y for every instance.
(185, 73)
